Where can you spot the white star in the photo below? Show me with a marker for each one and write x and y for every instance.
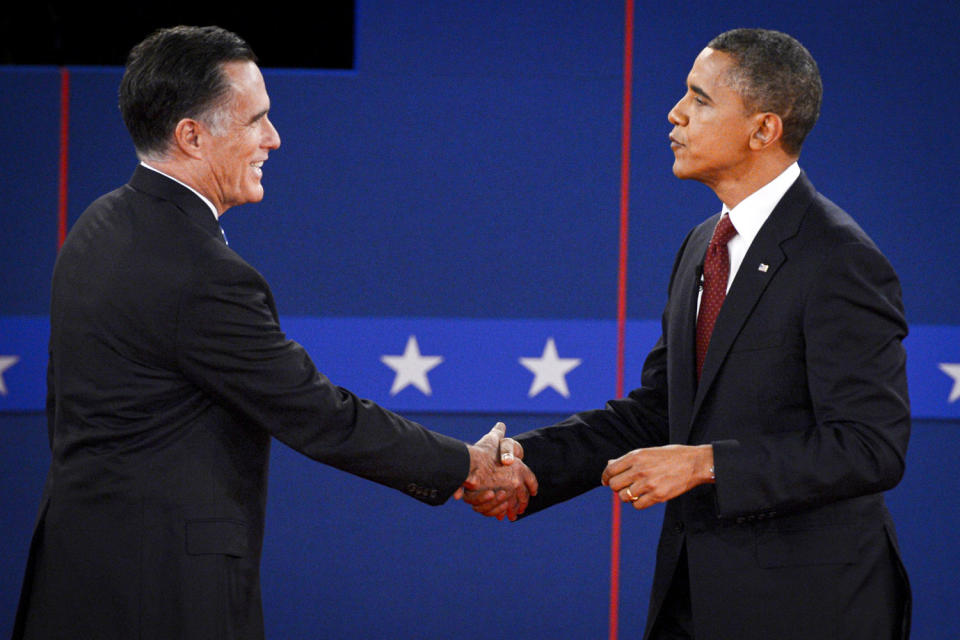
(550, 370)
(952, 369)
(411, 368)
(5, 363)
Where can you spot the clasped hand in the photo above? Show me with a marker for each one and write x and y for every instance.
(499, 484)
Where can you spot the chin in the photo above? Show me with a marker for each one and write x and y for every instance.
(255, 195)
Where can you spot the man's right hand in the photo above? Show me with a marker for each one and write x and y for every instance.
(499, 483)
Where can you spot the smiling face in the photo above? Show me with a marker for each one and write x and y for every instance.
(711, 127)
(238, 140)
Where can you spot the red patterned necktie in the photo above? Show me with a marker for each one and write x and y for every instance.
(716, 272)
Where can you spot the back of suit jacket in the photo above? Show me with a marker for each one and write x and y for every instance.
(168, 375)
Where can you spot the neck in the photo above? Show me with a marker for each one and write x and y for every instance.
(735, 189)
(188, 175)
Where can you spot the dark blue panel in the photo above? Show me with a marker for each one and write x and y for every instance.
(30, 129)
(492, 38)
(443, 196)
(101, 154)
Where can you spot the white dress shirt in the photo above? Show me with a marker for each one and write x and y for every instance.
(750, 214)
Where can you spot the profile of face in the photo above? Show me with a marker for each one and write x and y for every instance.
(238, 145)
(711, 127)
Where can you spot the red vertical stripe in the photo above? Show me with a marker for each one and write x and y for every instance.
(622, 294)
(64, 155)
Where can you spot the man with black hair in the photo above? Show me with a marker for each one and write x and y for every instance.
(169, 374)
(773, 410)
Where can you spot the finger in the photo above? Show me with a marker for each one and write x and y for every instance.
(614, 467)
(518, 505)
(624, 479)
(498, 510)
(485, 501)
(478, 497)
(523, 499)
(628, 495)
(530, 481)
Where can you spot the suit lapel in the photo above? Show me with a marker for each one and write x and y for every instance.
(758, 269)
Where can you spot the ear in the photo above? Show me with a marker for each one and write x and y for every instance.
(187, 137)
(768, 129)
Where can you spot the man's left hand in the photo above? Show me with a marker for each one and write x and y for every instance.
(645, 477)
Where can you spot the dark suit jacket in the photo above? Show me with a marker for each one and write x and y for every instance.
(804, 398)
(168, 375)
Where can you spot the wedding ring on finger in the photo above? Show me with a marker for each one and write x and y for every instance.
(633, 498)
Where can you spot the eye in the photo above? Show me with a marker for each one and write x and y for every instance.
(700, 100)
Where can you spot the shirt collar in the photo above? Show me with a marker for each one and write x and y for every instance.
(213, 209)
(750, 214)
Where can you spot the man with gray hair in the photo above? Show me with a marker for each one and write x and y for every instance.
(169, 374)
(773, 411)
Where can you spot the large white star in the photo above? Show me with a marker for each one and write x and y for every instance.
(411, 368)
(952, 369)
(549, 370)
(5, 363)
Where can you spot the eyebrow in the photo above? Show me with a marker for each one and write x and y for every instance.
(699, 91)
(258, 116)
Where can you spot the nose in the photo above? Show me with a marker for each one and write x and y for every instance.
(272, 138)
(675, 116)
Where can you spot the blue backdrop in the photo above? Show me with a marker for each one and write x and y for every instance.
(461, 186)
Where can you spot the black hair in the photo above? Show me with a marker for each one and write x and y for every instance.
(176, 73)
(774, 72)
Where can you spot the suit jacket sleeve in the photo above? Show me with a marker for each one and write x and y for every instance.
(855, 365)
(569, 458)
(230, 344)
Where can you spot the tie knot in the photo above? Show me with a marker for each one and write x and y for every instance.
(724, 231)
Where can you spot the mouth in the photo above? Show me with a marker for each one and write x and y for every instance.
(675, 144)
(258, 168)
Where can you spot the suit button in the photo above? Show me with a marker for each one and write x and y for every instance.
(678, 527)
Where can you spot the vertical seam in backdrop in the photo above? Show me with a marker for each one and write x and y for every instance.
(622, 292)
(64, 155)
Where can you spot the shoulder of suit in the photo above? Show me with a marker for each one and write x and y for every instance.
(831, 222)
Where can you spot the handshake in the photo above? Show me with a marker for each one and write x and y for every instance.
(499, 483)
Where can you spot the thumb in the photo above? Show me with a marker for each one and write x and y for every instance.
(494, 436)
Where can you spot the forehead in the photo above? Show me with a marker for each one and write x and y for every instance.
(710, 69)
(248, 91)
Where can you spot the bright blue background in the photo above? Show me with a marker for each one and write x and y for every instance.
(468, 171)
